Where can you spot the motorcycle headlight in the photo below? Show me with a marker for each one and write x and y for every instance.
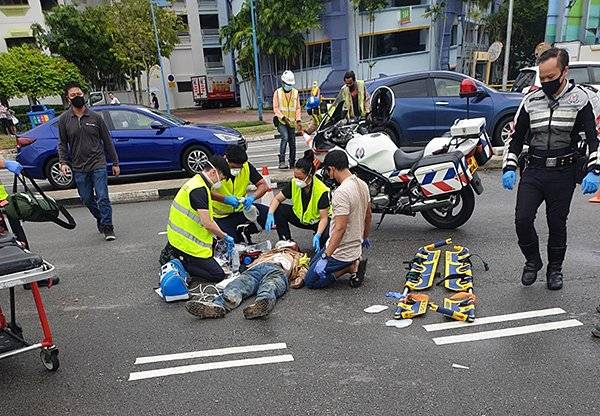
(228, 137)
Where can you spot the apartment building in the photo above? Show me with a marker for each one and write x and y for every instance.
(16, 18)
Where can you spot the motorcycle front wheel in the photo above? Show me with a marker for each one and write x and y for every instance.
(455, 215)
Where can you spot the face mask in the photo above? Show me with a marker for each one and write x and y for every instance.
(300, 183)
(78, 101)
(235, 172)
(287, 88)
(216, 185)
(551, 87)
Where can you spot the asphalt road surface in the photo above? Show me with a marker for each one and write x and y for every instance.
(318, 353)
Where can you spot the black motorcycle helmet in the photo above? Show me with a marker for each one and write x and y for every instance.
(382, 105)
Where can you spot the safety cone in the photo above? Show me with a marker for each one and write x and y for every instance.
(596, 198)
(268, 197)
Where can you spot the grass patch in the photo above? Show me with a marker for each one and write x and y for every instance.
(7, 142)
(243, 124)
(256, 130)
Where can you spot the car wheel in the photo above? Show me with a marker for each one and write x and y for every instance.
(503, 129)
(57, 179)
(194, 158)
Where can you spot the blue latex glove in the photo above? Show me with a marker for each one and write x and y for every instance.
(366, 244)
(508, 180)
(317, 242)
(590, 183)
(230, 243)
(13, 166)
(320, 267)
(270, 222)
(249, 201)
(232, 201)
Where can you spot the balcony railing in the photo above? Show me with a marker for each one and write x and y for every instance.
(207, 5)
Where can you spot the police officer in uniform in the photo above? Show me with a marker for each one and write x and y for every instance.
(552, 118)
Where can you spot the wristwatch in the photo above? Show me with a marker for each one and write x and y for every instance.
(324, 255)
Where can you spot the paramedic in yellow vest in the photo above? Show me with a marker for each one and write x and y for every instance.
(288, 117)
(355, 96)
(231, 199)
(310, 209)
(191, 228)
(11, 166)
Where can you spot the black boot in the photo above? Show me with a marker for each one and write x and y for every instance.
(533, 263)
(554, 276)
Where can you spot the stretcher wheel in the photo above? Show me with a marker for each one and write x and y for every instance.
(49, 358)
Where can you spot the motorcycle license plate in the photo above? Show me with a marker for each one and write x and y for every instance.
(472, 164)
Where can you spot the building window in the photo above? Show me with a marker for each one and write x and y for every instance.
(209, 24)
(14, 3)
(213, 57)
(398, 3)
(16, 42)
(184, 86)
(454, 35)
(314, 55)
(48, 5)
(395, 43)
(184, 28)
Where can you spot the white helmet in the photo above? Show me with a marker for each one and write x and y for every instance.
(288, 77)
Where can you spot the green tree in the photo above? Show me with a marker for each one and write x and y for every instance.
(129, 25)
(28, 72)
(281, 25)
(529, 26)
(81, 38)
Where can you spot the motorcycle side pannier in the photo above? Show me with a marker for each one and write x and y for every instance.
(442, 174)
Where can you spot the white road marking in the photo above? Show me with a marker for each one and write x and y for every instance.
(507, 332)
(461, 367)
(495, 319)
(185, 369)
(162, 233)
(211, 353)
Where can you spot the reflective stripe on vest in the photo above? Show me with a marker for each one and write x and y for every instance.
(184, 231)
(311, 215)
(3, 193)
(237, 188)
(361, 99)
(288, 107)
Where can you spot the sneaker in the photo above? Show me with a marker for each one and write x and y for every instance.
(258, 309)
(204, 310)
(283, 165)
(357, 279)
(109, 233)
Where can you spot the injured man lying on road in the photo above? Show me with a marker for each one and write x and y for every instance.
(269, 278)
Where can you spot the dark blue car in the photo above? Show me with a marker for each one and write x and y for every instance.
(428, 103)
(146, 140)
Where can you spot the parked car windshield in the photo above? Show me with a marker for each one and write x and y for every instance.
(524, 79)
(170, 117)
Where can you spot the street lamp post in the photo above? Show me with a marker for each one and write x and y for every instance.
(160, 60)
(259, 95)
(507, 50)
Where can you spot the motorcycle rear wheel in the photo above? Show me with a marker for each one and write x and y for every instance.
(454, 216)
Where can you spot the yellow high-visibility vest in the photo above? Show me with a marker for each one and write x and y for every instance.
(185, 231)
(236, 188)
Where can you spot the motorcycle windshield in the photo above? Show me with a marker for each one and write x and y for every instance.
(334, 114)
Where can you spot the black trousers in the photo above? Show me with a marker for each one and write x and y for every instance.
(284, 216)
(230, 223)
(555, 187)
(204, 269)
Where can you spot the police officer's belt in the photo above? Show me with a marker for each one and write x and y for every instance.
(553, 162)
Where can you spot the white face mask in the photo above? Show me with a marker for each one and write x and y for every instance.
(235, 172)
(300, 183)
(216, 185)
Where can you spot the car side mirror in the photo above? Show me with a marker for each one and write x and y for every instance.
(157, 125)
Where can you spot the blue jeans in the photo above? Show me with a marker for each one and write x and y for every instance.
(266, 281)
(288, 135)
(93, 191)
(314, 280)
